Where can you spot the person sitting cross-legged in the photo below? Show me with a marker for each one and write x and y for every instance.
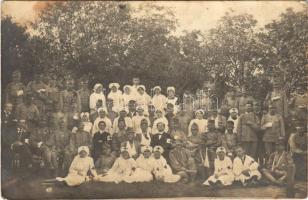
(278, 165)
(182, 162)
(245, 168)
(223, 174)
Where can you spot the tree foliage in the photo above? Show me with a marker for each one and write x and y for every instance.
(114, 41)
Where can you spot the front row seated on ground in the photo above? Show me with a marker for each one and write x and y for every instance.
(280, 168)
(125, 169)
(153, 166)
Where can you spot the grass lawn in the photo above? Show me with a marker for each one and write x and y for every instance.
(33, 189)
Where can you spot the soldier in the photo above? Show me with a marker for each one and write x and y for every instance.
(273, 126)
(70, 103)
(15, 91)
(84, 94)
(230, 140)
(242, 101)
(42, 146)
(230, 101)
(28, 112)
(22, 156)
(7, 134)
(61, 140)
(182, 163)
(38, 90)
(298, 147)
(299, 103)
(247, 128)
(78, 138)
(119, 136)
(135, 86)
(111, 114)
(278, 163)
(196, 145)
(278, 98)
(212, 139)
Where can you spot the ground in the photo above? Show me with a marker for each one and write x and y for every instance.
(35, 189)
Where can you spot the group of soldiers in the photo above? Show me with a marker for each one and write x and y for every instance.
(44, 125)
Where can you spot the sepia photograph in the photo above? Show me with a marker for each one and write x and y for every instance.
(154, 99)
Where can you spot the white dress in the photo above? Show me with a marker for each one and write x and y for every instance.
(159, 102)
(117, 98)
(88, 127)
(239, 166)
(143, 101)
(78, 171)
(94, 97)
(156, 121)
(122, 170)
(202, 124)
(144, 169)
(223, 168)
(108, 129)
(162, 171)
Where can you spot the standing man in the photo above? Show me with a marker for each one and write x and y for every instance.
(38, 89)
(84, 93)
(278, 98)
(70, 103)
(15, 90)
(229, 102)
(134, 87)
(273, 126)
(298, 147)
(247, 128)
(245, 97)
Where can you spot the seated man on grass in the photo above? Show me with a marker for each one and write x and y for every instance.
(278, 165)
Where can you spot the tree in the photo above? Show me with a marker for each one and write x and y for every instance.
(285, 44)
